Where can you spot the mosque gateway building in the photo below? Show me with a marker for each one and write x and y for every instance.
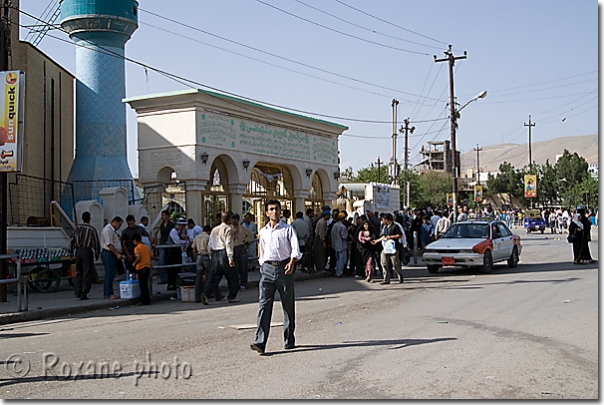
(227, 153)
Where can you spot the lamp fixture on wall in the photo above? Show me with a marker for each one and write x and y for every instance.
(308, 172)
(204, 157)
(336, 175)
(246, 164)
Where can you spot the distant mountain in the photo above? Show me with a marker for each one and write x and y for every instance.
(492, 156)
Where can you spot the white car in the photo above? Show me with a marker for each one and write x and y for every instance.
(474, 244)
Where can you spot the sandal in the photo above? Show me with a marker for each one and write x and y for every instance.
(591, 261)
(575, 262)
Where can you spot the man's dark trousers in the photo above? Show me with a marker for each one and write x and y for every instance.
(240, 259)
(85, 271)
(220, 267)
(273, 278)
(203, 265)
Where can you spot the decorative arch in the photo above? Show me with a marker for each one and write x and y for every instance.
(325, 180)
(164, 175)
(269, 180)
(227, 170)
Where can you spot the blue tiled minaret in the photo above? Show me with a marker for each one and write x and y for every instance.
(101, 29)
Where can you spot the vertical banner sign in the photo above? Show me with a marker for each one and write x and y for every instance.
(530, 186)
(11, 121)
(450, 198)
(478, 193)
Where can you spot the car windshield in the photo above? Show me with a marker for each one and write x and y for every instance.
(467, 230)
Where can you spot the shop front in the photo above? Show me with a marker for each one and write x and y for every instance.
(229, 153)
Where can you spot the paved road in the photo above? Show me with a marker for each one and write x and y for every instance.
(529, 332)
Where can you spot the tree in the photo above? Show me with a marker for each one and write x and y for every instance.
(571, 169)
(429, 189)
(369, 174)
(509, 181)
(584, 194)
(547, 184)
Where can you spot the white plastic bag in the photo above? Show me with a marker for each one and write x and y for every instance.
(389, 247)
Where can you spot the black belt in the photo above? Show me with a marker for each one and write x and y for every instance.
(204, 255)
(277, 263)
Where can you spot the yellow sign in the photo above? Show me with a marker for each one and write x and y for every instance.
(11, 121)
(478, 193)
(530, 186)
(449, 198)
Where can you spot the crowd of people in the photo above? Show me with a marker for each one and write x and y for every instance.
(333, 242)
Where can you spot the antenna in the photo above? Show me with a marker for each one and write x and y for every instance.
(49, 16)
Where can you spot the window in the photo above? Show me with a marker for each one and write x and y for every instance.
(504, 230)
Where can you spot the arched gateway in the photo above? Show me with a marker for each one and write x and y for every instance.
(230, 153)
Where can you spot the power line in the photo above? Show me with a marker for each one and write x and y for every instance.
(389, 23)
(262, 61)
(182, 81)
(362, 27)
(538, 99)
(340, 32)
(424, 86)
(386, 137)
(548, 88)
(549, 81)
(280, 57)
(548, 120)
(580, 105)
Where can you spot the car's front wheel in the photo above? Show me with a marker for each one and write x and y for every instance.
(513, 260)
(433, 269)
(487, 262)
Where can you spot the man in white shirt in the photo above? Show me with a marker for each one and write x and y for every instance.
(278, 254)
(177, 236)
(441, 226)
(222, 246)
(193, 230)
(110, 243)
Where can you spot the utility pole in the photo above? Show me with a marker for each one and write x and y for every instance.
(451, 59)
(379, 163)
(393, 166)
(530, 125)
(406, 129)
(477, 149)
(4, 56)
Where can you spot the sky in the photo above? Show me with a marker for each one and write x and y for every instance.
(344, 61)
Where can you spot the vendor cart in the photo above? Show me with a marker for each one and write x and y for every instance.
(44, 256)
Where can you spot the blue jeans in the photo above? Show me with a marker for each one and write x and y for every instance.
(340, 262)
(110, 262)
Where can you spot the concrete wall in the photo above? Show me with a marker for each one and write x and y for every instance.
(48, 141)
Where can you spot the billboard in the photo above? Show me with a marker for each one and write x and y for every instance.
(381, 196)
(12, 84)
(530, 186)
(478, 193)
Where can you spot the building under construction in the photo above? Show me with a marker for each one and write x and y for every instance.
(437, 156)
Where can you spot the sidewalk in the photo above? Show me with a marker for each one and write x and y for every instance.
(63, 301)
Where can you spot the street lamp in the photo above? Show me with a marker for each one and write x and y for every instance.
(454, 116)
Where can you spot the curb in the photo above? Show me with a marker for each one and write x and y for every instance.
(36, 315)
